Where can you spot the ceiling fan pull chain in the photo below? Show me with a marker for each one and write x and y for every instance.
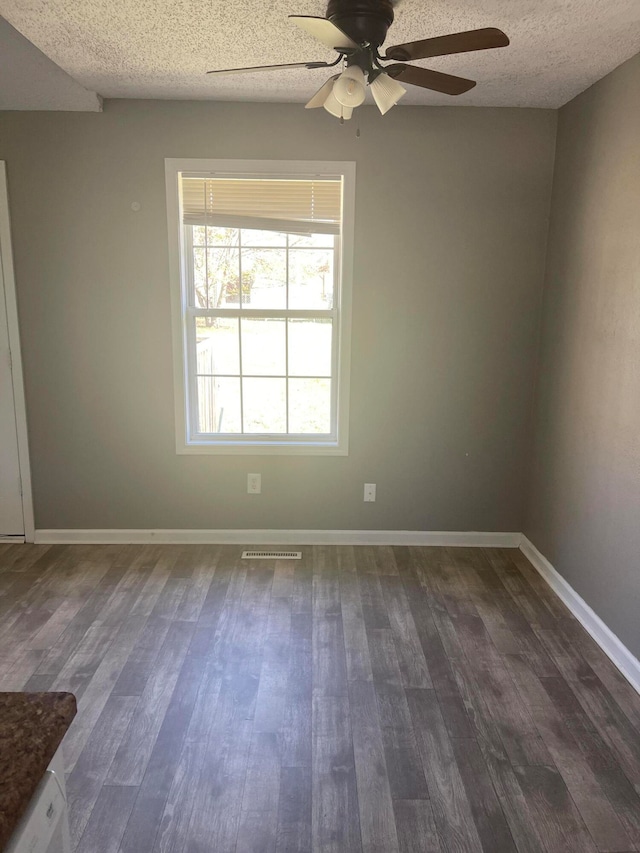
(344, 65)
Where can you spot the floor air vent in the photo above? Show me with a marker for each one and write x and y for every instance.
(272, 555)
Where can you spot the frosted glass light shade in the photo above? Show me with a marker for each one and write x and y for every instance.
(386, 92)
(318, 100)
(332, 105)
(351, 87)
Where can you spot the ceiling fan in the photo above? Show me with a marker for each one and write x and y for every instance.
(356, 29)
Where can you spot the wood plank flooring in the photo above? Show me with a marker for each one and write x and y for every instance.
(361, 700)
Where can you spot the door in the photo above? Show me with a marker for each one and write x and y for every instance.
(13, 451)
(11, 519)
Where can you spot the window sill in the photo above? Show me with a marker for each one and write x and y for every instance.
(262, 448)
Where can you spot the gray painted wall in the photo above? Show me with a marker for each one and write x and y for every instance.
(585, 506)
(451, 226)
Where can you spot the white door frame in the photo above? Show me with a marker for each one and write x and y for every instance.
(6, 254)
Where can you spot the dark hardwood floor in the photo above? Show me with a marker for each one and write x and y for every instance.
(365, 700)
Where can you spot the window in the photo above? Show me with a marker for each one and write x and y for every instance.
(261, 256)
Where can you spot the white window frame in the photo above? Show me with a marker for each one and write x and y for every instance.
(188, 441)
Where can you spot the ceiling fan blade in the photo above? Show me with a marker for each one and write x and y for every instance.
(322, 94)
(252, 68)
(324, 31)
(435, 80)
(443, 45)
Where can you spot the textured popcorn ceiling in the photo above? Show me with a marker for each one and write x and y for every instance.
(153, 49)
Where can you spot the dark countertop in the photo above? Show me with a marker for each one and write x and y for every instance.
(32, 726)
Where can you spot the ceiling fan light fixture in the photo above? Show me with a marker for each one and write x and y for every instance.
(350, 88)
(386, 92)
(320, 97)
(332, 105)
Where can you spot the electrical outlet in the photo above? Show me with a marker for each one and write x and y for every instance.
(254, 484)
(370, 492)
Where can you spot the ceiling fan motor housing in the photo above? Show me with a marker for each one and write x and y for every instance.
(363, 20)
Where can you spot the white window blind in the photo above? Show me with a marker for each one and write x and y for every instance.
(296, 206)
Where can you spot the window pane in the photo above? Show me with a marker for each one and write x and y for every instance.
(320, 241)
(199, 235)
(310, 278)
(222, 236)
(263, 347)
(310, 347)
(252, 237)
(217, 348)
(200, 277)
(218, 405)
(215, 277)
(310, 405)
(264, 276)
(265, 408)
(221, 285)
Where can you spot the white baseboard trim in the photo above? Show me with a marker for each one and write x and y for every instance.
(6, 538)
(611, 645)
(278, 537)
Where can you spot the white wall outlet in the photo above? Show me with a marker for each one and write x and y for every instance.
(370, 491)
(254, 484)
